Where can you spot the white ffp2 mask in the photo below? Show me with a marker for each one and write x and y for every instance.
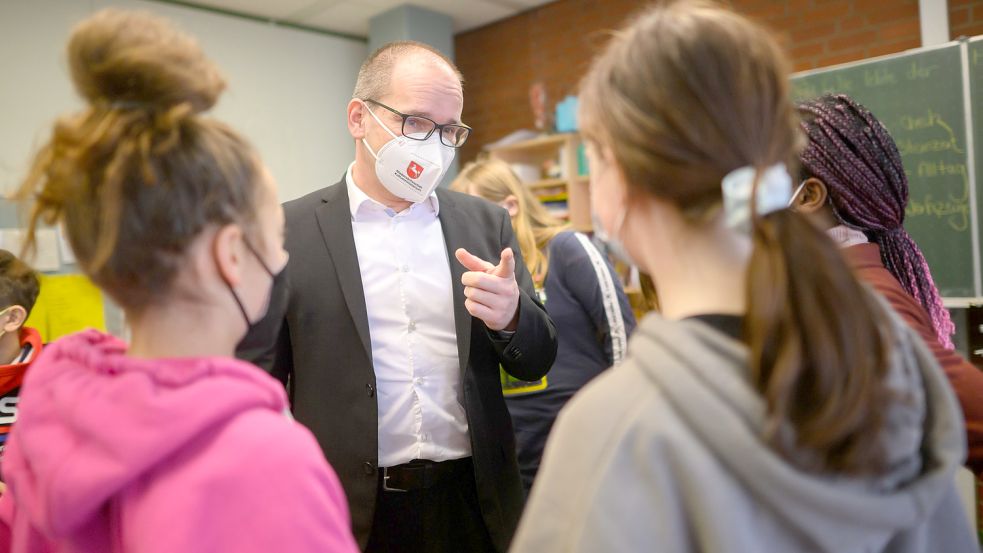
(613, 240)
(410, 169)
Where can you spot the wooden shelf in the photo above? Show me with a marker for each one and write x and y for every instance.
(541, 146)
(563, 148)
(547, 183)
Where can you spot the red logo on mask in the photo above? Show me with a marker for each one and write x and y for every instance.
(414, 170)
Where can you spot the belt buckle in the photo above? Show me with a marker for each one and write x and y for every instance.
(385, 482)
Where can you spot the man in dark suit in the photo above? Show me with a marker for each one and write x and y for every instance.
(395, 327)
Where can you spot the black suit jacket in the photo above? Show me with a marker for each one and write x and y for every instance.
(323, 353)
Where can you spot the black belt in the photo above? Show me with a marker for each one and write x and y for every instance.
(420, 474)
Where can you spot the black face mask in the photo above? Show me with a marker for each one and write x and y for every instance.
(277, 286)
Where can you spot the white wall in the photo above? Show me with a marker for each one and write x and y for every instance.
(287, 88)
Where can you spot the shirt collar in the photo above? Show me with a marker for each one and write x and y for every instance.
(845, 236)
(357, 198)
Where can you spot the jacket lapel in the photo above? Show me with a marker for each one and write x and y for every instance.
(454, 229)
(334, 218)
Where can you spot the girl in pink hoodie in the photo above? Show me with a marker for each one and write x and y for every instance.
(168, 444)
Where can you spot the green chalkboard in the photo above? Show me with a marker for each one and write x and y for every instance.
(919, 97)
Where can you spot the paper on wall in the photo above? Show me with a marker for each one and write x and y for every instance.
(46, 257)
(12, 240)
(67, 255)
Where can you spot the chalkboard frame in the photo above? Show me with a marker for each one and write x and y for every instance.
(963, 47)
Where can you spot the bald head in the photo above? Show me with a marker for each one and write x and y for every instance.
(376, 74)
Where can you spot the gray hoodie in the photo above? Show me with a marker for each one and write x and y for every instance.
(664, 453)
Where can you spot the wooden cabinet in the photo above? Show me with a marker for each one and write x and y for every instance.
(560, 155)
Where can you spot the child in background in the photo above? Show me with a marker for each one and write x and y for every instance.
(169, 443)
(854, 184)
(19, 344)
(582, 294)
(774, 405)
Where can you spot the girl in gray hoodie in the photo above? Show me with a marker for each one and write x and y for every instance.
(775, 405)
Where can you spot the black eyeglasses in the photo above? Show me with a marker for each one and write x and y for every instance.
(418, 127)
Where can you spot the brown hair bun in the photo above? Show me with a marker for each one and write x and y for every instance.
(137, 176)
(135, 60)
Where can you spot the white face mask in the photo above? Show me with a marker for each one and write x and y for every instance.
(846, 237)
(613, 240)
(410, 169)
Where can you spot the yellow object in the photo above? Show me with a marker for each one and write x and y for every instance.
(67, 304)
(512, 386)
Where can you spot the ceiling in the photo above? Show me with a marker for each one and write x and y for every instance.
(351, 17)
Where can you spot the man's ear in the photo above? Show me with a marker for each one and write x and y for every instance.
(812, 197)
(356, 119)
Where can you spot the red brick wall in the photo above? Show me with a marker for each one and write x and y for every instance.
(555, 42)
(965, 18)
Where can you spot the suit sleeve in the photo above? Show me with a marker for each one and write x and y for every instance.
(530, 352)
(267, 344)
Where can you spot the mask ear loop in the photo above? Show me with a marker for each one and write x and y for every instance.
(619, 225)
(259, 258)
(242, 308)
(795, 194)
(384, 127)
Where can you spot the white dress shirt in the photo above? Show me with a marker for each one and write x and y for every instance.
(406, 278)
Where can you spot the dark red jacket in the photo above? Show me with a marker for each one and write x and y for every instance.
(966, 379)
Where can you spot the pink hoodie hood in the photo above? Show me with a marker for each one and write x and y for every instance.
(92, 421)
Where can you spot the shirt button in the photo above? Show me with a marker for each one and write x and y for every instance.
(405, 268)
(369, 468)
(370, 390)
(412, 326)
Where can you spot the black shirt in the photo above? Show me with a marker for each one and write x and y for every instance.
(731, 325)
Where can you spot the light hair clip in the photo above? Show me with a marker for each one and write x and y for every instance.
(774, 191)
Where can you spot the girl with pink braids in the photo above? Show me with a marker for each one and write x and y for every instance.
(853, 180)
